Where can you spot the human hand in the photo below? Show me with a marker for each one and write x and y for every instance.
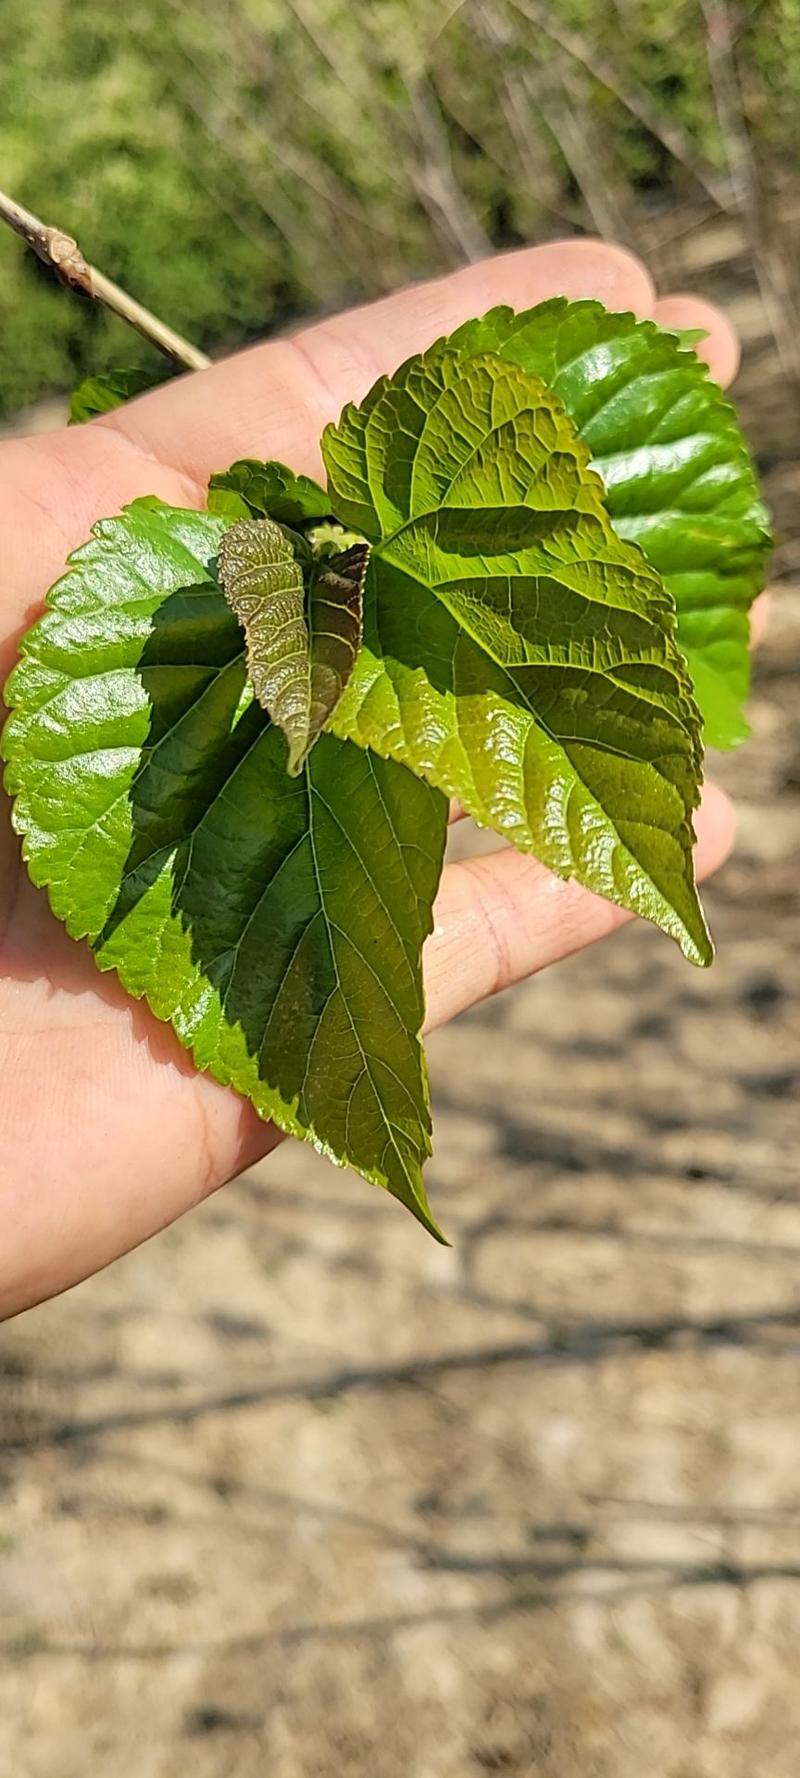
(107, 1132)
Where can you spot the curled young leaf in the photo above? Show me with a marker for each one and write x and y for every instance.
(263, 584)
(299, 659)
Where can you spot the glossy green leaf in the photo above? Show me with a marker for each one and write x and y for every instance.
(298, 662)
(518, 653)
(678, 476)
(250, 489)
(276, 923)
(101, 394)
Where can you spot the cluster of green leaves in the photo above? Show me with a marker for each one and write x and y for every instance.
(233, 733)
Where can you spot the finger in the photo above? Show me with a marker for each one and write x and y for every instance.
(275, 399)
(502, 917)
(720, 348)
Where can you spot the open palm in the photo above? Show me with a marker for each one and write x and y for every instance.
(107, 1132)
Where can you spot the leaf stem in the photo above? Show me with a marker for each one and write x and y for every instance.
(62, 253)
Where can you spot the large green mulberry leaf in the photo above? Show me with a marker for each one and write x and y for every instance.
(678, 476)
(276, 922)
(518, 653)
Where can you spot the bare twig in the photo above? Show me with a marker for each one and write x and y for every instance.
(361, 86)
(452, 12)
(233, 123)
(59, 251)
(324, 42)
(435, 179)
(531, 166)
(751, 201)
(556, 96)
(677, 143)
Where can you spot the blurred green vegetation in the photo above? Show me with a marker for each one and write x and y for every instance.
(236, 163)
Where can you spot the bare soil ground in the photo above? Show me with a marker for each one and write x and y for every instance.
(294, 1492)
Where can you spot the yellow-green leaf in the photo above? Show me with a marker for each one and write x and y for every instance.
(518, 653)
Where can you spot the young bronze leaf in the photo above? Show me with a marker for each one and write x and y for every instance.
(251, 489)
(299, 662)
(263, 583)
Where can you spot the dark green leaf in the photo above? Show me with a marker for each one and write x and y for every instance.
(101, 394)
(678, 476)
(517, 652)
(250, 489)
(298, 665)
(277, 923)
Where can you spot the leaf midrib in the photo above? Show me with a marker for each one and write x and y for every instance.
(353, 1026)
